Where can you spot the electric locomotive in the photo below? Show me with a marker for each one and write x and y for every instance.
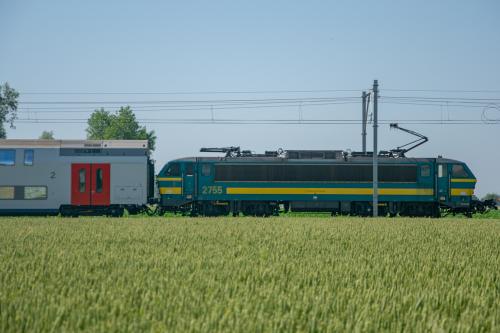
(315, 181)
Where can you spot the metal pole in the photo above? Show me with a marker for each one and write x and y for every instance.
(375, 149)
(363, 117)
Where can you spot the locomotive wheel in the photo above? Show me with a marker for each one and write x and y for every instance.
(261, 209)
(209, 209)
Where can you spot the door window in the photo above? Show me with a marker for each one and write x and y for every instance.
(81, 180)
(442, 171)
(98, 182)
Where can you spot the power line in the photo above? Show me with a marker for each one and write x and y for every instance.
(82, 106)
(277, 91)
(440, 99)
(153, 108)
(275, 121)
(441, 104)
(211, 102)
(292, 103)
(190, 92)
(183, 108)
(445, 91)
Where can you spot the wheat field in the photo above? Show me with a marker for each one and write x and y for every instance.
(283, 274)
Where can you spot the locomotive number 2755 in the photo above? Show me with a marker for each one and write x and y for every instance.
(211, 189)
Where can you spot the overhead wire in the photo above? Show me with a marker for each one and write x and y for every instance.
(228, 92)
(487, 91)
(205, 101)
(482, 105)
(177, 109)
(272, 121)
(85, 106)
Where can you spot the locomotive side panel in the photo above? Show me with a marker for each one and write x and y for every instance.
(312, 182)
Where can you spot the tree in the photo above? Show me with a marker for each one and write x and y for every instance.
(121, 125)
(47, 135)
(490, 196)
(8, 107)
(98, 123)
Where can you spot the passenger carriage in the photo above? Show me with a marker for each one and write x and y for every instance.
(74, 177)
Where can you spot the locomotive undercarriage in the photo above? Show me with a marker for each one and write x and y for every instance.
(274, 208)
(224, 208)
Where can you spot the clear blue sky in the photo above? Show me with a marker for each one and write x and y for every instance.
(193, 46)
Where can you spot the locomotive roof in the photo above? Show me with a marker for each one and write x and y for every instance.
(360, 159)
(38, 143)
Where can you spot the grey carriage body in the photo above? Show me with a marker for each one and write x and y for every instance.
(37, 176)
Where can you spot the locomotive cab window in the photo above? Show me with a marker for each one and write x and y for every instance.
(173, 169)
(7, 157)
(205, 170)
(189, 169)
(425, 170)
(28, 157)
(458, 171)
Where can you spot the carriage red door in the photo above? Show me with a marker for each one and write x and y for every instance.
(90, 184)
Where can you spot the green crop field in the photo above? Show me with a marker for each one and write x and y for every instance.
(284, 274)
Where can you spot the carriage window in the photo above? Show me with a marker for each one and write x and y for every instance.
(189, 169)
(442, 172)
(98, 182)
(28, 157)
(459, 171)
(6, 192)
(35, 192)
(81, 177)
(173, 170)
(425, 171)
(7, 157)
(205, 170)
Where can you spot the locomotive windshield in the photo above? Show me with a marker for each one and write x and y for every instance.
(173, 169)
(458, 171)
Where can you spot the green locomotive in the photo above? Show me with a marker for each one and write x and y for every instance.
(315, 181)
